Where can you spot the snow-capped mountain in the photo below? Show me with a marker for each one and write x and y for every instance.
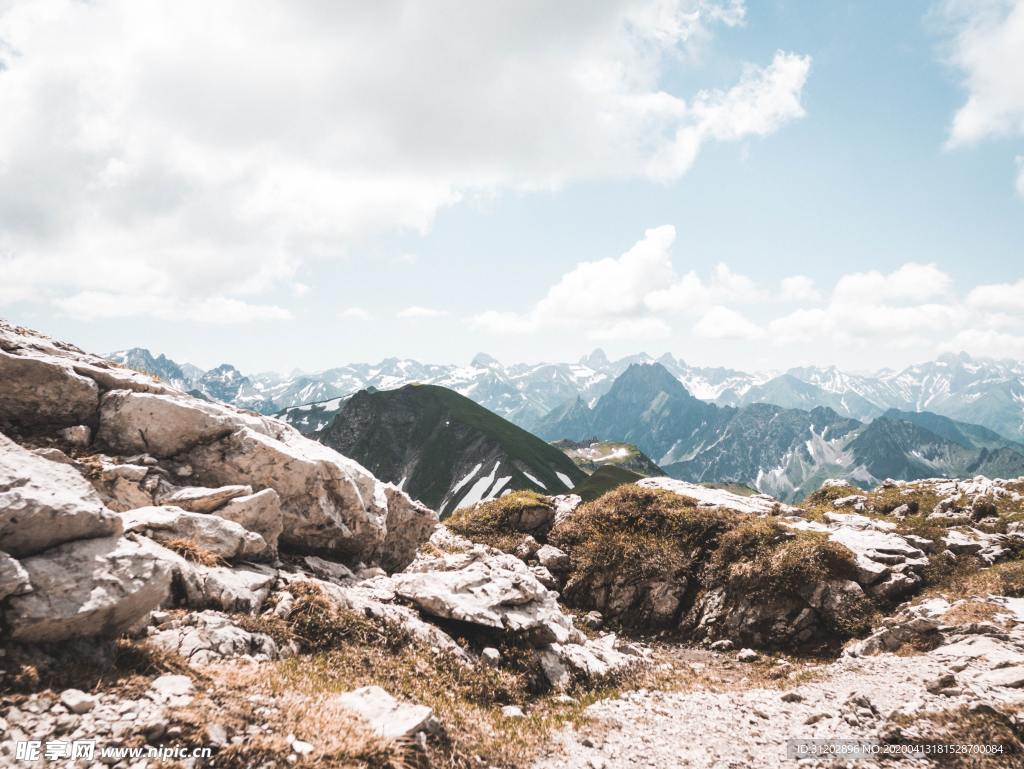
(984, 392)
(785, 452)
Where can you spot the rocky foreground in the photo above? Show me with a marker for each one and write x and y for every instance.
(176, 573)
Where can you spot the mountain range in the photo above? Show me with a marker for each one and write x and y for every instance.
(978, 391)
(785, 452)
(451, 448)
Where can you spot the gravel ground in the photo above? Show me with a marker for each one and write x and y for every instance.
(853, 698)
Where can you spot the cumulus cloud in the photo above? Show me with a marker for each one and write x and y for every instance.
(998, 296)
(422, 312)
(724, 323)
(191, 153)
(620, 297)
(988, 48)
(799, 288)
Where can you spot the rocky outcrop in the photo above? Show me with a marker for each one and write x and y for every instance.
(222, 538)
(44, 503)
(488, 588)
(755, 504)
(327, 502)
(47, 393)
(91, 587)
(209, 636)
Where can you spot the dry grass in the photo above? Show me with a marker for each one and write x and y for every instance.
(125, 664)
(296, 696)
(969, 576)
(970, 612)
(636, 533)
(192, 551)
(504, 522)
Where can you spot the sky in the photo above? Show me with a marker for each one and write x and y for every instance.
(287, 185)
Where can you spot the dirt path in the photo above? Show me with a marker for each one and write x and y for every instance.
(729, 719)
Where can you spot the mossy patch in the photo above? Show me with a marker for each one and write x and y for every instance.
(505, 522)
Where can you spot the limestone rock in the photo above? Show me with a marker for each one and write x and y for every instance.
(38, 392)
(225, 539)
(485, 587)
(259, 512)
(553, 559)
(197, 499)
(92, 587)
(209, 636)
(386, 716)
(44, 503)
(13, 578)
(758, 504)
(161, 424)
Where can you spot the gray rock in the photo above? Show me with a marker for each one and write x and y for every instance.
(77, 701)
(13, 578)
(197, 499)
(485, 587)
(44, 503)
(259, 512)
(553, 559)
(491, 656)
(92, 587)
(208, 636)
(512, 711)
(39, 392)
(747, 655)
(225, 539)
(386, 716)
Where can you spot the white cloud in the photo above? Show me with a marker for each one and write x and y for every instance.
(998, 296)
(92, 305)
(988, 47)
(763, 101)
(912, 282)
(354, 313)
(799, 288)
(616, 296)
(421, 312)
(723, 323)
(186, 151)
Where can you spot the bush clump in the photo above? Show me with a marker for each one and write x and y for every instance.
(319, 624)
(505, 522)
(634, 532)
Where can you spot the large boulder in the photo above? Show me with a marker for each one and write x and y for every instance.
(328, 502)
(42, 393)
(92, 587)
(259, 512)
(223, 538)
(44, 503)
(162, 424)
(483, 586)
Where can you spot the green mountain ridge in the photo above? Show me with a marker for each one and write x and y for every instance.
(444, 449)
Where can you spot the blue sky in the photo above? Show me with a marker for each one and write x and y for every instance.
(257, 200)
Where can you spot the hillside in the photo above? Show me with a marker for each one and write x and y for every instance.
(591, 455)
(444, 449)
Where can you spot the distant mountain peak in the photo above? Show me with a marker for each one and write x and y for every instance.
(483, 360)
(597, 359)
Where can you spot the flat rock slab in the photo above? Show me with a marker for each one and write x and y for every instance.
(387, 716)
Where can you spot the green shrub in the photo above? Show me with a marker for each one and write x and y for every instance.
(504, 522)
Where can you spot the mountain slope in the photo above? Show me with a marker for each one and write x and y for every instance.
(591, 455)
(786, 452)
(444, 449)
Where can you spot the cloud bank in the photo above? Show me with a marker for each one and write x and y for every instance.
(206, 182)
